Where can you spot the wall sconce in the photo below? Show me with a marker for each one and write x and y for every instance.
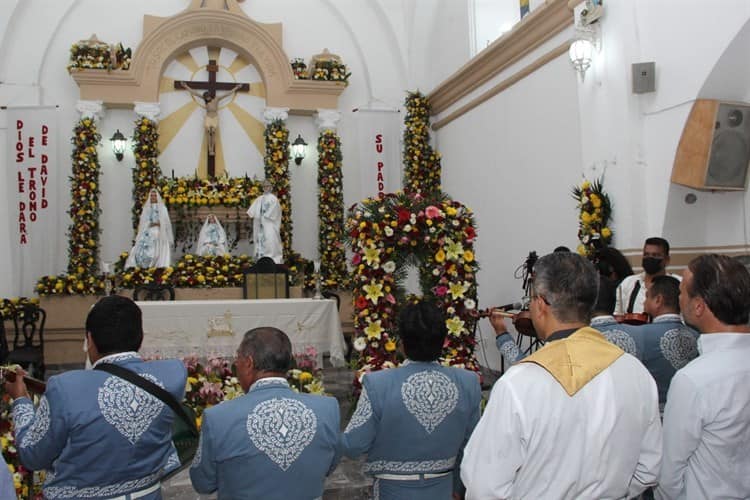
(118, 144)
(298, 149)
(580, 53)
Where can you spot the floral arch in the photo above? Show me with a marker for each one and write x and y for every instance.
(437, 234)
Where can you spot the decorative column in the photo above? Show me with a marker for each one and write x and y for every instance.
(84, 229)
(422, 167)
(276, 162)
(330, 201)
(146, 174)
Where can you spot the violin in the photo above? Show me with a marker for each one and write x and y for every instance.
(32, 384)
(633, 318)
(521, 319)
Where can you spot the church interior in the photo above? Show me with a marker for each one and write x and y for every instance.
(488, 122)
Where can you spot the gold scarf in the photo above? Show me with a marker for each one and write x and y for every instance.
(576, 360)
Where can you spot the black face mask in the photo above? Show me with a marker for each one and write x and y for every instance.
(652, 265)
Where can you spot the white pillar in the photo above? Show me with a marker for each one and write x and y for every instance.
(327, 119)
(272, 114)
(91, 109)
(150, 110)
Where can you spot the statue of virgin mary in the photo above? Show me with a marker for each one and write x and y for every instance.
(212, 239)
(154, 240)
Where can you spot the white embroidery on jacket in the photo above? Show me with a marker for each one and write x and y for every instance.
(363, 412)
(282, 428)
(430, 396)
(128, 408)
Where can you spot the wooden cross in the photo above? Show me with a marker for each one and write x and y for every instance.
(211, 86)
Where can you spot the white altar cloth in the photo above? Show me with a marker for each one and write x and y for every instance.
(176, 329)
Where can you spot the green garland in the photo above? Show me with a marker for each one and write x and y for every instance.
(146, 173)
(277, 172)
(331, 212)
(83, 233)
(422, 168)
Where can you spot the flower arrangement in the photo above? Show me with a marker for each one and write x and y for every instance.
(215, 381)
(89, 54)
(331, 212)
(332, 71)
(192, 192)
(191, 271)
(8, 307)
(276, 162)
(70, 284)
(27, 483)
(299, 68)
(422, 168)
(595, 210)
(146, 173)
(438, 235)
(83, 233)
(95, 54)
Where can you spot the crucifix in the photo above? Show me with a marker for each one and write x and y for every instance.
(211, 100)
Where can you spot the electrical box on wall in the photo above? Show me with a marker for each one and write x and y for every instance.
(644, 77)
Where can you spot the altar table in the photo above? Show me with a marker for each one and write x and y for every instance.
(177, 329)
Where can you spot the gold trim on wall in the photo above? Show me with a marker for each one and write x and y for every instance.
(535, 29)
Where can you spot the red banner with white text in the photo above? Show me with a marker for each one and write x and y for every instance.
(379, 151)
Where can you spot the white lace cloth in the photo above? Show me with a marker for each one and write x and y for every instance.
(176, 329)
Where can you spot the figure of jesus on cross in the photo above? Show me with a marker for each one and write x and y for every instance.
(211, 100)
(211, 122)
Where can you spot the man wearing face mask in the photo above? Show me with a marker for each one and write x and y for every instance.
(631, 293)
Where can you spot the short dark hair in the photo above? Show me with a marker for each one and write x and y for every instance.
(610, 260)
(660, 242)
(422, 329)
(561, 248)
(668, 288)
(724, 285)
(569, 283)
(269, 347)
(115, 325)
(606, 298)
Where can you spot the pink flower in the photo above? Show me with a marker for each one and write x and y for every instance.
(356, 259)
(390, 298)
(432, 211)
(441, 291)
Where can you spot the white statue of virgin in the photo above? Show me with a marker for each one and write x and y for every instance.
(154, 240)
(212, 240)
(266, 214)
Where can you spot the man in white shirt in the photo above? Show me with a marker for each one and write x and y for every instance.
(707, 417)
(579, 418)
(631, 293)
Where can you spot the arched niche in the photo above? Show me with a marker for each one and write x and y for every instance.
(208, 23)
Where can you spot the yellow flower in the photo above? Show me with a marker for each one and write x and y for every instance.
(450, 211)
(372, 255)
(457, 290)
(606, 232)
(595, 200)
(455, 325)
(373, 291)
(305, 377)
(585, 185)
(390, 346)
(468, 256)
(373, 330)
(453, 249)
(585, 217)
(440, 256)
(581, 250)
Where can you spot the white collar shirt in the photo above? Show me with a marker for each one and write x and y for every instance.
(707, 423)
(535, 441)
(625, 289)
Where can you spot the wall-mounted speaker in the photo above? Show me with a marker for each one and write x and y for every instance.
(714, 150)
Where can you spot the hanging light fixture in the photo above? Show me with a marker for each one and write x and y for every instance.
(118, 144)
(580, 53)
(299, 147)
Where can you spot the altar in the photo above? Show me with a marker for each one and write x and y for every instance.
(177, 329)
